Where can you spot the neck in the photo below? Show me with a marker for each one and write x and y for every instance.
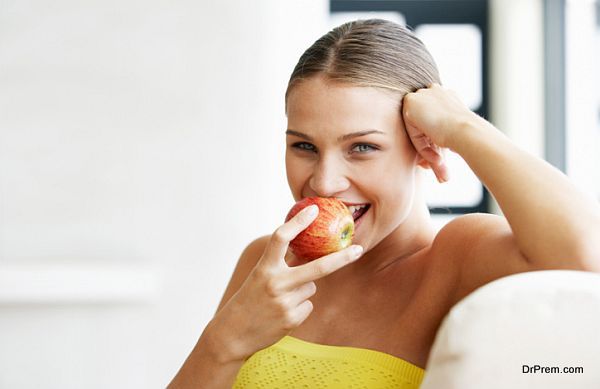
(399, 249)
(414, 234)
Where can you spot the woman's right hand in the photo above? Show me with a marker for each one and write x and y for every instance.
(274, 299)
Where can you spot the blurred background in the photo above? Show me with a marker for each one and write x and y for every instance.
(142, 148)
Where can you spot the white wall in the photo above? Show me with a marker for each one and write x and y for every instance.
(137, 142)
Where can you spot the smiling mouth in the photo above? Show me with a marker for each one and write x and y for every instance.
(358, 210)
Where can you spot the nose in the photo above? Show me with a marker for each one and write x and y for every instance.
(328, 178)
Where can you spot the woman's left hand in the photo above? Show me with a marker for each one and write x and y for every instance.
(432, 117)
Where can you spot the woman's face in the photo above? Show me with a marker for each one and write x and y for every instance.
(349, 142)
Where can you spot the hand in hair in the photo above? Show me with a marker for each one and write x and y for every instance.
(432, 117)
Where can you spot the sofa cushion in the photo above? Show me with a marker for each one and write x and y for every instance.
(529, 330)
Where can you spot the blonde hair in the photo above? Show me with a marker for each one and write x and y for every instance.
(374, 52)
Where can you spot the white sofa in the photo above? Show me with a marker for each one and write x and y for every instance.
(496, 336)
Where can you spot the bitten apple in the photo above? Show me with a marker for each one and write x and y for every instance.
(331, 231)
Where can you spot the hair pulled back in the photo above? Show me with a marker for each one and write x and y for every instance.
(373, 52)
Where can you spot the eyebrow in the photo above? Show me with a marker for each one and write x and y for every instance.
(341, 138)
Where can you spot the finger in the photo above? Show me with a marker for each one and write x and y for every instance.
(323, 266)
(436, 160)
(278, 244)
(422, 143)
(432, 156)
(302, 293)
(441, 173)
(438, 164)
(300, 314)
(412, 131)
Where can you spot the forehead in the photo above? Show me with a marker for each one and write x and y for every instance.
(317, 104)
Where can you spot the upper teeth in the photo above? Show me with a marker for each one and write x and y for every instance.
(354, 208)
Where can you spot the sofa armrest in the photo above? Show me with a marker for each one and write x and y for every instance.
(496, 336)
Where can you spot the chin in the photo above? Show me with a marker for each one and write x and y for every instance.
(373, 233)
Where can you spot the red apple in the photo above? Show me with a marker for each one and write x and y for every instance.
(331, 231)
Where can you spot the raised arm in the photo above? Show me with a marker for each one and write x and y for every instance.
(554, 224)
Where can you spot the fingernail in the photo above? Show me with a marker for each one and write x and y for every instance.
(357, 250)
(312, 210)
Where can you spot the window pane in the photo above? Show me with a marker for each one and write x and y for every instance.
(582, 46)
(456, 48)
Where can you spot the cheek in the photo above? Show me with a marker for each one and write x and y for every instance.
(396, 181)
(297, 175)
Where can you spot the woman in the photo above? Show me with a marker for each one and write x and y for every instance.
(365, 116)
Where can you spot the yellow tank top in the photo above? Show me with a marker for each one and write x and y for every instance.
(295, 363)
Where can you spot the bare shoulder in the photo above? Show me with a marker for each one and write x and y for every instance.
(253, 251)
(245, 264)
(482, 248)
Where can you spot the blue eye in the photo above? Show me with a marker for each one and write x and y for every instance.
(358, 148)
(304, 146)
(363, 148)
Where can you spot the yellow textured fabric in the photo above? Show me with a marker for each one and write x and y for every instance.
(295, 363)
